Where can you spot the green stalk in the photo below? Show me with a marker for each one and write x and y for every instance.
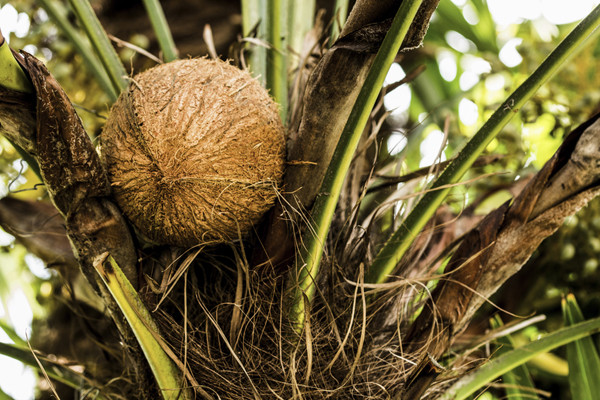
(161, 29)
(144, 328)
(398, 244)
(12, 335)
(104, 49)
(254, 16)
(326, 201)
(250, 15)
(519, 385)
(469, 384)
(582, 355)
(55, 371)
(11, 74)
(300, 22)
(277, 60)
(339, 19)
(83, 48)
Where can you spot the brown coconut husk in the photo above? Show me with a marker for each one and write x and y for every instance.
(194, 151)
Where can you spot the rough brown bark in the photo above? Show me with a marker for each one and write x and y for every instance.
(75, 177)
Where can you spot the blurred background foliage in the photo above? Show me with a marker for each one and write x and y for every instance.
(475, 53)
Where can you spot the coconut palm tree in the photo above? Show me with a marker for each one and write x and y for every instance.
(359, 282)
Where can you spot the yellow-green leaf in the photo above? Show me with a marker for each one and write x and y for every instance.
(582, 355)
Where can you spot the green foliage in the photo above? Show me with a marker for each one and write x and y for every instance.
(166, 373)
(398, 244)
(45, 41)
(101, 44)
(58, 14)
(582, 354)
(56, 371)
(340, 13)
(277, 59)
(276, 30)
(253, 17)
(450, 16)
(162, 30)
(11, 73)
(21, 294)
(518, 382)
(469, 384)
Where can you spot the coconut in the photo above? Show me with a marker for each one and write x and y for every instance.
(194, 151)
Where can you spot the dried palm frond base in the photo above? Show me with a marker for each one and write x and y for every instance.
(224, 321)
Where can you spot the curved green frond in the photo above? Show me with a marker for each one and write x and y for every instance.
(471, 383)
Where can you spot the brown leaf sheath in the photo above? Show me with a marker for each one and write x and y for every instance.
(75, 177)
